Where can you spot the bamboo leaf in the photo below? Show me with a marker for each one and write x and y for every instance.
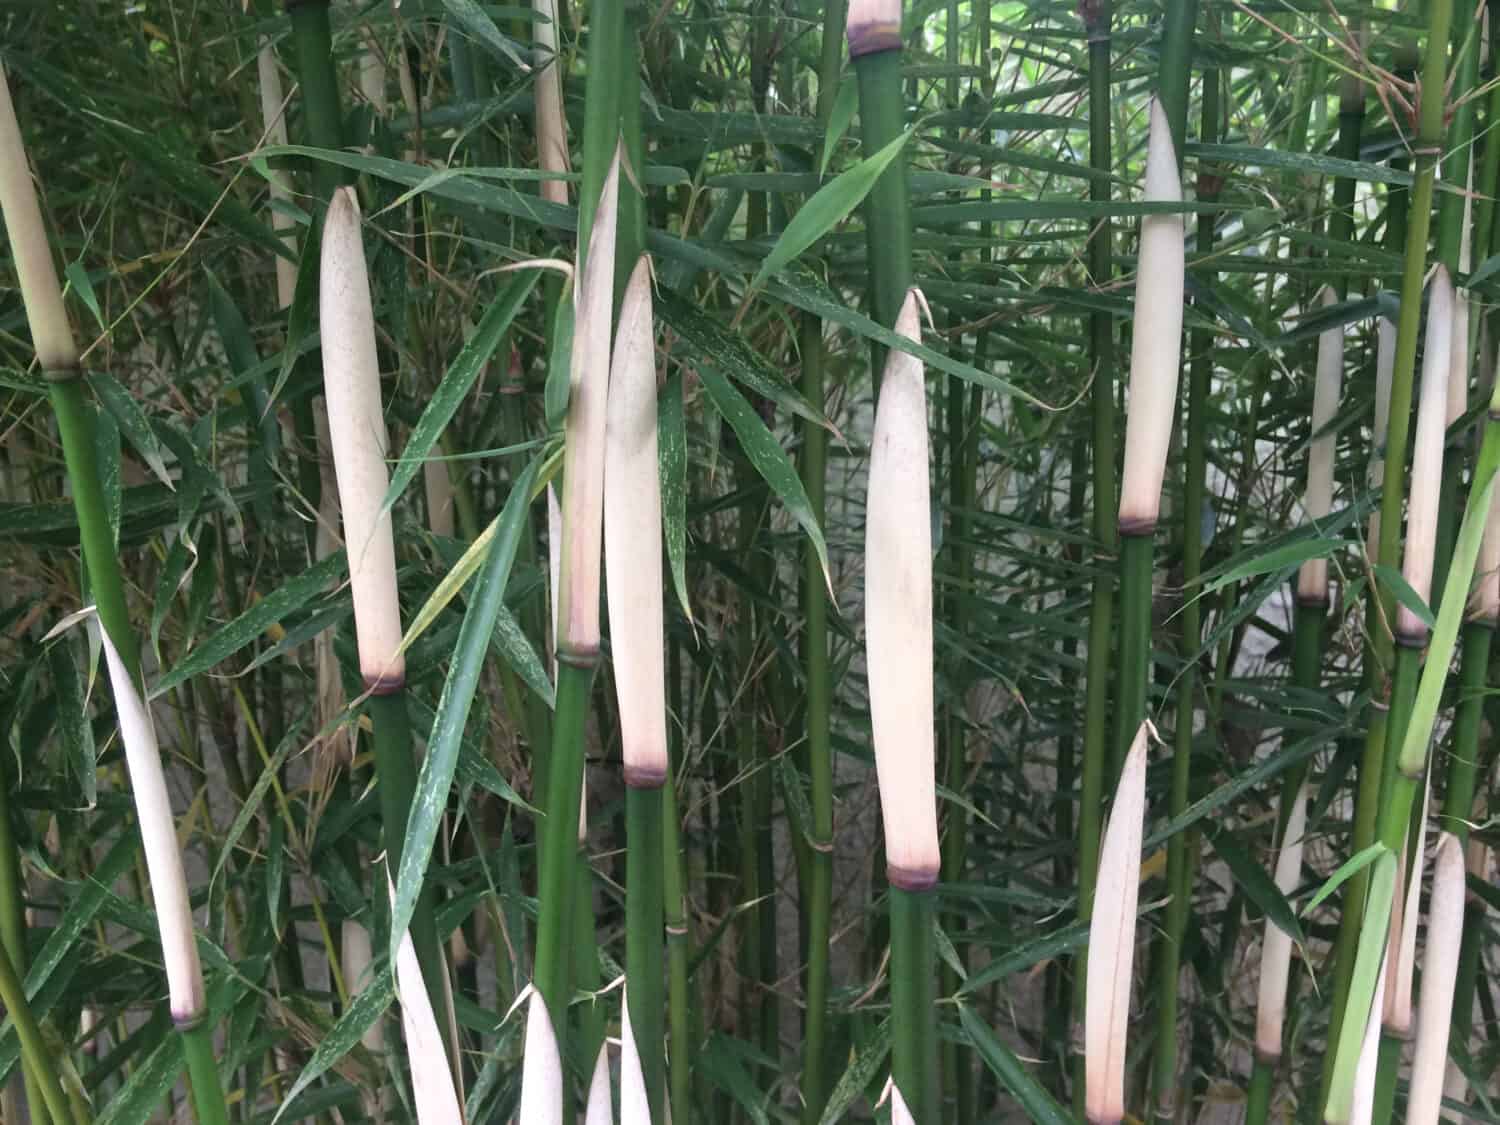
(845, 102)
(430, 800)
(731, 354)
(671, 436)
(73, 720)
(557, 390)
(271, 610)
(1300, 162)
(769, 459)
(363, 1010)
(1287, 557)
(1368, 962)
(1256, 884)
(1351, 866)
(513, 646)
(133, 423)
(457, 381)
(863, 1067)
(1404, 594)
(476, 21)
(147, 1086)
(828, 207)
(1041, 1107)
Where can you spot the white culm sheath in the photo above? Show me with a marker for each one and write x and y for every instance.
(1111, 953)
(632, 538)
(898, 615)
(1427, 455)
(356, 426)
(50, 335)
(1156, 338)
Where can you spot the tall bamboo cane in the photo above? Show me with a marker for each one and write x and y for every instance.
(578, 606)
(817, 891)
(356, 423)
(1156, 347)
(1426, 149)
(1410, 631)
(1097, 17)
(1309, 615)
(898, 643)
(57, 355)
(632, 556)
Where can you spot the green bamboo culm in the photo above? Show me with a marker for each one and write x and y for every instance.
(396, 785)
(13, 927)
(817, 891)
(1401, 776)
(644, 937)
(914, 1058)
(678, 942)
(322, 127)
(1155, 357)
(1453, 250)
(578, 632)
(1097, 18)
(1425, 151)
(36, 1055)
(874, 36)
(318, 81)
(551, 970)
(1195, 501)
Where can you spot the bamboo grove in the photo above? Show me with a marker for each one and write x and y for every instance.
(574, 562)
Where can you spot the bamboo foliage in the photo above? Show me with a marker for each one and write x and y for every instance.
(746, 414)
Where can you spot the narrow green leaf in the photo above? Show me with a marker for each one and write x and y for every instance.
(457, 381)
(72, 719)
(430, 801)
(230, 638)
(1404, 593)
(671, 454)
(1368, 962)
(1280, 558)
(857, 1077)
(1301, 162)
(363, 1010)
(828, 207)
(148, 1084)
(1257, 885)
(769, 459)
(559, 360)
(78, 280)
(257, 795)
(1041, 1107)
(514, 647)
(732, 354)
(476, 21)
(1350, 867)
(133, 423)
(845, 102)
